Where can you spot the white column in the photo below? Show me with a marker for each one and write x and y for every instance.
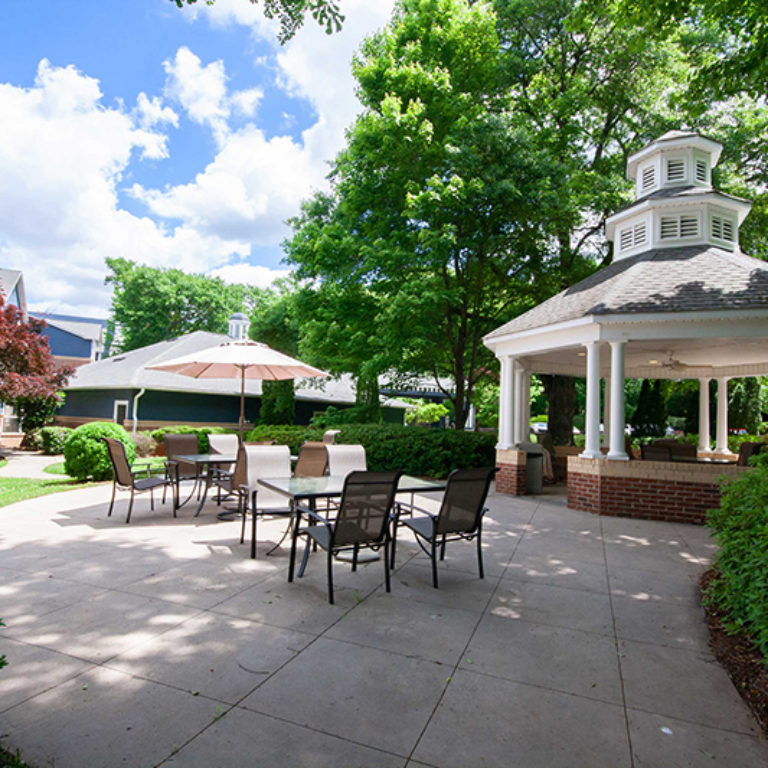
(592, 444)
(722, 416)
(616, 420)
(505, 403)
(606, 411)
(526, 416)
(704, 446)
(517, 430)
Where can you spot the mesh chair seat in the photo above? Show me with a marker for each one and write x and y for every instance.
(147, 483)
(424, 526)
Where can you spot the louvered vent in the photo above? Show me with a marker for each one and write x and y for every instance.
(649, 178)
(670, 227)
(722, 229)
(701, 171)
(717, 227)
(675, 170)
(689, 226)
(728, 230)
(640, 234)
(625, 241)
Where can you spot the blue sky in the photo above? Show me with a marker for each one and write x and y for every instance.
(172, 137)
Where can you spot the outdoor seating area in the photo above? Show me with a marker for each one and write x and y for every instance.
(583, 645)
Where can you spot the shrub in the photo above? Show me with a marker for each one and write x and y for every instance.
(145, 444)
(85, 455)
(284, 434)
(32, 440)
(186, 429)
(53, 439)
(741, 567)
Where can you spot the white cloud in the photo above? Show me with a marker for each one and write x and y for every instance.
(261, 277)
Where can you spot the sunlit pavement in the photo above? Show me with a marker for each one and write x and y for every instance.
(162, 643)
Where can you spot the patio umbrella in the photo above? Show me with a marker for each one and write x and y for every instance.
(239, 359)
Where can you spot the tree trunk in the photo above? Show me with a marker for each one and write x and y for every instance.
(367, 397)
(561, 396)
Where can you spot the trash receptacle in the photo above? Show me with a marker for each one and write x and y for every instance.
(534, 466)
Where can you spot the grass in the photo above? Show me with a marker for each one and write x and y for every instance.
(155, 462)
(13, 489)
(11, 760)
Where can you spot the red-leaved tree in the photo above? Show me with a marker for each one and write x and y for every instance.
(29, 377)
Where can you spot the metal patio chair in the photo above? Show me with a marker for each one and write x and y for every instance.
(312, 461)
(180, 471)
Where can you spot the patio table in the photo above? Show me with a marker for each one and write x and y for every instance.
(310, 489)
(207, 461)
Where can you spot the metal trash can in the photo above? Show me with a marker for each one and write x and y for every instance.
(534, 466)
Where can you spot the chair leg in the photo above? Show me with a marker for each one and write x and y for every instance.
(395, 520)
(112, 503)
(152, 499)
(480, 553)
(330, 575)
(433, 556)
(354, 557)
(386, 565)
(304, 560)
(130, 507)
(442, 548)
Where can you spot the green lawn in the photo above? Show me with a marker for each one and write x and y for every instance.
(13, 489)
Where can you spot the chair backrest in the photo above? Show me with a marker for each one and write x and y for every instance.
(329, 436)
(267, 461)
(343, 459)
(224, 444)
(464, 499)
(312, 461)
(177, 445)
(747, 451)
(365, 508)
(120, 465)
(655, 453)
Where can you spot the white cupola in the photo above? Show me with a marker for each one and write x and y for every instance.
(675, 203)
(238, 326)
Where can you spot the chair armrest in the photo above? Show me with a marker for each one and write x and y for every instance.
(319, 518)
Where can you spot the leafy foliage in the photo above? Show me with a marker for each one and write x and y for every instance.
(278, 404)
(291, 14)
(741, 567)
(53, 439)
(185, 429)
(284, 434)
(151, 305)
(28, 373)
(650, 416)
(426, 412)
(86, 455)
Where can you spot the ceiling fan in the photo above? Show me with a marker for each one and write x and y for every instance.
(673, 364)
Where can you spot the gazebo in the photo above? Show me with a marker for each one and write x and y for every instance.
(679, 301)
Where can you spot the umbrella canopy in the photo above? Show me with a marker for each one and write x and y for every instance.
(242, 360)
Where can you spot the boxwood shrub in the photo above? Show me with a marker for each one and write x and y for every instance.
(740, 584)
(85, 454)
(186, 429)
(284, 434)
(53, 439)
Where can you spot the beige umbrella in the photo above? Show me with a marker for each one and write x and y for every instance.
(239, 359)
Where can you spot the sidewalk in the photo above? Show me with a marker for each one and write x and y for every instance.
(162, 643)
(27, 464)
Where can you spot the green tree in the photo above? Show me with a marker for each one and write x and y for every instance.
(151, 304)
(650, 416)
(744, 404)
(291, 14)
(432, 229)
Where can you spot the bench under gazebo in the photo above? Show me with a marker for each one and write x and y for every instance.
(679, 301)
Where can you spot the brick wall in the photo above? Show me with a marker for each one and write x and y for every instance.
(511, 475)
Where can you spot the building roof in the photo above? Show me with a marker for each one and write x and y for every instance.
(10, 279)
(129, 371)
(88, 328)
(682, 279)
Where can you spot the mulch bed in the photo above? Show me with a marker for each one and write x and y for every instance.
(741, 658)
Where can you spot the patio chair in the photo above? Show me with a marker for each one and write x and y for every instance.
(178, 445)
(460, 517)
(312, 461)
(362, 520)
(329, 436)
(221, 445)
(125, 478)
(262, 461)
(343, 459)
(655, 453)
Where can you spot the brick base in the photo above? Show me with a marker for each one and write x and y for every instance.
(511, 476)
(651, 490)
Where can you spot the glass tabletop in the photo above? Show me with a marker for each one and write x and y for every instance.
(333, 485)
(204, 458)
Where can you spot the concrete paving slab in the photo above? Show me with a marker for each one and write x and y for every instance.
(230, 656)
(675, 589)
(242, 737)
(32, 670)
(543, 655)
(485, 721)
(372, 697)
(106, 718)
(664, 741)
(558, 571)
(683, 684)
(554, 606)
(585, 548)
(391, 623)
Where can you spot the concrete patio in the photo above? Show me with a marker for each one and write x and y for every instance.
(161, 643)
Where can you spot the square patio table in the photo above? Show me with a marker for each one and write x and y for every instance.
(310, 489)
(207, 461)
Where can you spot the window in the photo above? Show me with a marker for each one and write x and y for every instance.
(675, 170)
(679, 226)
(723, 228)
(632, 237)
(701, 171)
(648, 178)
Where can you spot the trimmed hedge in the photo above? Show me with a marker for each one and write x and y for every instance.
(413, 450)
(53, 439)
(86, 455)
(185, 429)
(740, 583)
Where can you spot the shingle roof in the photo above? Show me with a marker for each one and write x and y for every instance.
(687, 279)
(684, 193)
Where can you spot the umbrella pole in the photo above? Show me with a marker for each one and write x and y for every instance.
(242, 402)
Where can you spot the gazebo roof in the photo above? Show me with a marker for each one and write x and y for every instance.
(689, 279)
